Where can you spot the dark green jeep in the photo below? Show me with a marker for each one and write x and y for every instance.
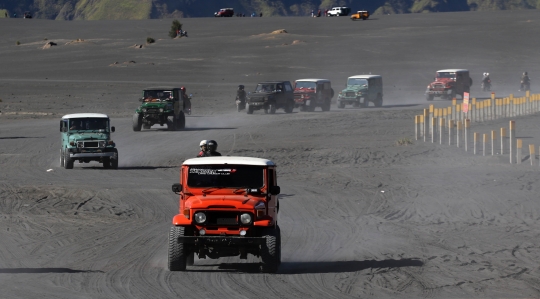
(162, 105)
(271, 95)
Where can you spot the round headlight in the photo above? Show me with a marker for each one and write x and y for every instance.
(143, 109)
(199, 217)
(245, 218)
(160, 109)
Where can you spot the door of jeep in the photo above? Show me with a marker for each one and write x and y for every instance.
(288, 94)
(63, 130)
(178, 102)
(273, 204)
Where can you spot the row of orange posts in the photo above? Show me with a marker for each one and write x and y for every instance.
(458, 124)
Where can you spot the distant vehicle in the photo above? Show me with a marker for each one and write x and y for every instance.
(360, 90)
(86, 137)
(339, 11)
(162, 105)
(448, 83)
(27, 15)
(224, 12)
(311, 93)
(271, 95)
(228, 206)
(361, 14)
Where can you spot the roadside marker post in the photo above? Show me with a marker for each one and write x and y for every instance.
(519, 151)
(459, 125)
(433, 123)
(454, 110)
(503, 134)
(475, 138)
(493, 138)
(450, 128)
(430, 117)
(512, 132)
(425, 118)
(532, 154)
(484, 141)
(492, 106)
(441, 129)
(467, 125)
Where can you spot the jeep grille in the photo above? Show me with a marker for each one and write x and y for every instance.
(152, 110)
(223, 218)
(89, 144)
(350, 94)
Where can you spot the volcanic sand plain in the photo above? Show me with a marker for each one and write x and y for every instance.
(360, 216)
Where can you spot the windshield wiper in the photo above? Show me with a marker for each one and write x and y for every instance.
(206, 190)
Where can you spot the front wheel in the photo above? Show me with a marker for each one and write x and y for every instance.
(340, 104)
(177, 258)
(378, 101)
(61, 158)
(429, 97)
(68, 161)
(270, 251)
(181, 121)
(290, 107)
(326, 105)
(137, 122)
(114, 160)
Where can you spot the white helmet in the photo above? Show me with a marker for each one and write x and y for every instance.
(203, 142)
(487, 74)
(484, 74)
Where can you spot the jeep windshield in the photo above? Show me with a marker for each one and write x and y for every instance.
(157, 95)
(356, 81)
(265, 88)
(89, 124)
(446, 75)
(306, 85)
(225, 176)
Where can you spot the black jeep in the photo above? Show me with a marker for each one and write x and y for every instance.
(271, 95)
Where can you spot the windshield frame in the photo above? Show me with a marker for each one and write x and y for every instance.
(268, 87)
(93, 124)
(354, 80)
(247, 173)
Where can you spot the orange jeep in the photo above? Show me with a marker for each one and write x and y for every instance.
(228, 207)
(361, 14)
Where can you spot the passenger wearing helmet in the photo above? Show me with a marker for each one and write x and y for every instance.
(241, 98)
(525, 82)
(211, 146)
(187, 100)
(203, 144)
(486, 82)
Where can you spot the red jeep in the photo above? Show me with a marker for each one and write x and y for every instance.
(224, 12)
(448, 83)
(228, 207)
(311, 93)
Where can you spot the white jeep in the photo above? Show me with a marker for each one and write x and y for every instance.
(339, 11)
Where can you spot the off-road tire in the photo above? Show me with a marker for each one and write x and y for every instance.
(365, 104)
(177, 260)
(114, 159)
(379, 101)
(146, 126)
(181, 121)
(340, 104)
(106, 162)
(312, 106)
(272, 108)
(249, 109)
(137, 122)
(61, 158)
(68, 162)
(171, 123)
(429, 97)
(290, 107)
(270, 251)
(326, 105)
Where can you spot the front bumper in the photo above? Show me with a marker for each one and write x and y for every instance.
(91, 155)
(439, 92)
(221, 240)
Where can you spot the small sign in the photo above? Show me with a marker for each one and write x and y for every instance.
(465, 106)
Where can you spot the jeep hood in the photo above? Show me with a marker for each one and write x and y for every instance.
(260, 96)
(354, 88)
(155, 104)
(223, 201)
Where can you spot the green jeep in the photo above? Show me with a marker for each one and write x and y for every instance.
(361, 90)
(162, 105)
(85, 138)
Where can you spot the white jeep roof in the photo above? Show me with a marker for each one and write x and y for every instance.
(313, 80)
(85, 115)
(228, 160)
(452, 71)
(364, 76)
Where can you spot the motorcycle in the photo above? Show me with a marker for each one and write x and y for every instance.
(486, 85)
(525, 86)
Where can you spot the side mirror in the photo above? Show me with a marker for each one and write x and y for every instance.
(275, 190)
(177, 188)
(141, 99)
(113, 129)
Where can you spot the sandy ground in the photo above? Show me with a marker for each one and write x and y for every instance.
(360, 216)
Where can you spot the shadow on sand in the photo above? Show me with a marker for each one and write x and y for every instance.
(43, 270)
(313, 267)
